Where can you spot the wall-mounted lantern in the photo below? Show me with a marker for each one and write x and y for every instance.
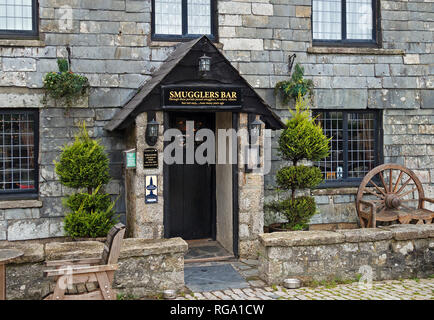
(152, 132)
(204, 64)
(255, 129)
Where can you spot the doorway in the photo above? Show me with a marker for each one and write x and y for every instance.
(191, 190)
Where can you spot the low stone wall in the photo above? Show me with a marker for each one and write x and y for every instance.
(398, 251)
(145, 266)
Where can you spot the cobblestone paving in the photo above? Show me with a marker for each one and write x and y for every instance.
(417, 289)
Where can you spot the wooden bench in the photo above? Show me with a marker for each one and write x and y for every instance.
(391, 192)
(88, 271)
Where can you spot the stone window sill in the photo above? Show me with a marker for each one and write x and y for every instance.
(333, 191)
(20, 204)
(21, 43)
(359, 51)
(157, 44)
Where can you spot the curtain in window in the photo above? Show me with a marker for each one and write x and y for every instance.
(168, 17)
(16, 15)
(327, 19)
(199, 18)
(359, 19)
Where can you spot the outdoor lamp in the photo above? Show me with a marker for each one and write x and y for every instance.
(152, 132)
(255, 128)
(204, 63)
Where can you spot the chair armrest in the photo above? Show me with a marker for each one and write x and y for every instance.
(428, 200)
(60, 263)
(74, 270)
(368, 203)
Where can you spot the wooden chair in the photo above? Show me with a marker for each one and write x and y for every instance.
(391, 192)
(88, 271)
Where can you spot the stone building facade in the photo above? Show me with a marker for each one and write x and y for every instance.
(110, 41)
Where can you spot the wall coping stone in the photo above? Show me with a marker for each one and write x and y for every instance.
(73, 250)
(33, 252)
(131, 247)
(365, 235)
(358, 51)
(21, 43)
(411, 231)
(18, 204)
(300, 238)
(137, 247)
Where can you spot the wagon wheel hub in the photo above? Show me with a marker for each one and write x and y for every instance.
(392, 201)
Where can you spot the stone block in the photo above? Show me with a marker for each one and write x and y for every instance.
(28, 229)
(262, 9)
(365, 235)
(141, 247)
(303, 11)
(300, 238)
(232, 7)
(427, 99)
(410, 232)
(411, 59)
(73, 250)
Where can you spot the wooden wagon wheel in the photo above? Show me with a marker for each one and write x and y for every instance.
(394, 190)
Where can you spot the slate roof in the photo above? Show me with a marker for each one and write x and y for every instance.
(175, 57)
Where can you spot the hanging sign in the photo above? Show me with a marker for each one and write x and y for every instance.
(205, 97)
(150, 158)
(151, 187)
(130, 161)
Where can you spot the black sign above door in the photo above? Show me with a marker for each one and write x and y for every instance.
(198, 97)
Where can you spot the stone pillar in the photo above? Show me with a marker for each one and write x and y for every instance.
(250, 196)
(145, 220)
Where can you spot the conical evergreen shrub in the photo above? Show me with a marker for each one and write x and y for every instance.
(302, 139)
(84, 165)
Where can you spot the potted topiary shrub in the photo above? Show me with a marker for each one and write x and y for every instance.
(302, 139)
(297, 85)
(84, 165)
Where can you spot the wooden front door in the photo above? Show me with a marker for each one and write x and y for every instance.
(191, 187)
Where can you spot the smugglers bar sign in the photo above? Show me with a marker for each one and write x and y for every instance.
(203, 97)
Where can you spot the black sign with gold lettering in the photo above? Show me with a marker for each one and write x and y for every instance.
(150, 158)
(203, 97)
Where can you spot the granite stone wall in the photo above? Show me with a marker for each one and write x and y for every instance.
(109, 41)
(146, 267)
(399, 251)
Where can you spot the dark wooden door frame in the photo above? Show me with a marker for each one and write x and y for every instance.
(166, 180)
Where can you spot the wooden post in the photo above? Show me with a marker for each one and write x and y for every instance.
(2, 281)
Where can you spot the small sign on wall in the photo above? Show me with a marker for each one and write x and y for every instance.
(150, 158)
(151, 187)
(130, 159)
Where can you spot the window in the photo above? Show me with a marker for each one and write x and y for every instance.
(18, 18)
(18, 151)
(182, 19)
(355, 145)
(344, 21)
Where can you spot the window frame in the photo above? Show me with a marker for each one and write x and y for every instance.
(25, 34)
(378, 145)
(344, 42)
(185, 35)
(26, 193)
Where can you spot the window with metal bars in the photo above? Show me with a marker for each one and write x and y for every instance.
(355, 147)
(183, 19)
(345, 22)
(18, 18)
(18, 151)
